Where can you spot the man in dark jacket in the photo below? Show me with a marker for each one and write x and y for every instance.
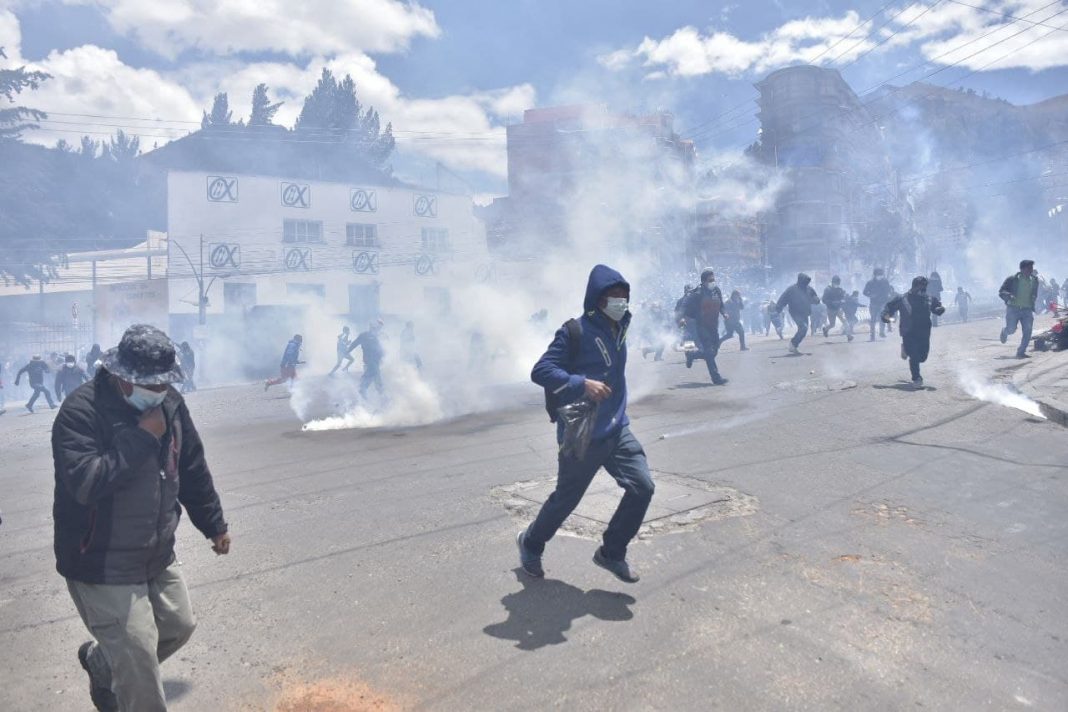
(934, 290)
(733, 308)
(594, 368)
(35, 371)
(834, 298)
(287, 370)
(92, 359)
(127, 460)
(798, 299)
(371, 343)
(878, 291)
(1019, 293)
(69, 377)
(701, 312)
(916, 309)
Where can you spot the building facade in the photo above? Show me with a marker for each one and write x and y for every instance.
(267, 245)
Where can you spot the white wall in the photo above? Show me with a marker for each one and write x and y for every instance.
(247, 217)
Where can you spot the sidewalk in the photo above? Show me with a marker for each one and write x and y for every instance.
(1045, 380)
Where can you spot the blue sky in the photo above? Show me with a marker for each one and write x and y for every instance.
(451, 74)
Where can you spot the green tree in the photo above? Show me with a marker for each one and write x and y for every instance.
(263, 110)
(332, 112)
(16, 119)
(220, 115)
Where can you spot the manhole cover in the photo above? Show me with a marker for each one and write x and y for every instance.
(816, 385)
(680, 504)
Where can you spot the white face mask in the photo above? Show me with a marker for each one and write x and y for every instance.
(143, 399)
(616, 308)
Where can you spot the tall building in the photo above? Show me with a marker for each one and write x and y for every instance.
(841, 207)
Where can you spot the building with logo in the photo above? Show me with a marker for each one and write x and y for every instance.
(274, 250)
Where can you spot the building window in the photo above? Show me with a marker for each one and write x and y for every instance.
(435, 239)
(361, 235)
(298, 231)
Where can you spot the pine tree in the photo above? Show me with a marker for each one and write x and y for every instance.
(15, 120)
(263, 110)
(332, 112)
(220, 116)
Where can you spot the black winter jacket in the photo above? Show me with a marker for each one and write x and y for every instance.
(916, 310)
(67, 379)
(35, 370)
(798, 299)
(834, 298)
(878, 291)
(119, 491)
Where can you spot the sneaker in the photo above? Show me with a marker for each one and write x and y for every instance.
(793, 349)
(719, 381)
(619, 568)
(917, 382)
(849, 337)
(744, 348)
(530, 562)
(1004, 337)
(103, 698)
(1023, 355)
(29, 408)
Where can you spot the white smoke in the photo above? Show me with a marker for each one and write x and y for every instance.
(999, 394)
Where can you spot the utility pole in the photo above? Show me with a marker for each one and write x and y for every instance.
(198, 274)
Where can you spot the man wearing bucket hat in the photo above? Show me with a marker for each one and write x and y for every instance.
(127, 460)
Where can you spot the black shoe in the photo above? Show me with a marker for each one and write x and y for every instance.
(529, 561)
(1023, 355)
(103, 698)
(619, 568)
(1004, 336)
(719, 381)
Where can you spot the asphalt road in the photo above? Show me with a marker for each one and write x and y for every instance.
(903, 549)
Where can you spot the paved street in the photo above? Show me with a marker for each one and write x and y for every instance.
(854, 545)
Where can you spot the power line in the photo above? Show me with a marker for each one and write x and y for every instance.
(1005, 15)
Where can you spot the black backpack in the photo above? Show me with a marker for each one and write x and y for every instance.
(574, 347)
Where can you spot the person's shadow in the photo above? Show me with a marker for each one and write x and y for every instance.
(540, 613)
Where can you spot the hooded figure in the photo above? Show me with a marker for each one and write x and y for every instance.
(92, 359)
(701, 313)
(734, 307)
(372, 357)
(878, 291)
(68, 377)
(916, 308)
(128, 461)
(586, 361)
(798, 299)
(287, 370)
(834, 298)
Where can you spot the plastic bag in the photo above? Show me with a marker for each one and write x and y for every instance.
(578, 419)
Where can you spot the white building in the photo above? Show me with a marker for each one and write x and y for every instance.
(356, 251)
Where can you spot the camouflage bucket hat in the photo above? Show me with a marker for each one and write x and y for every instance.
(145, 357)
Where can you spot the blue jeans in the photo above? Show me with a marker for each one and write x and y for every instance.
(622, 456)
(1023, 316)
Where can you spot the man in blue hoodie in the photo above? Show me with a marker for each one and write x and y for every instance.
(593, 367)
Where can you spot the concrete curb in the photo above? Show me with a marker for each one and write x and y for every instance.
(1035, 379)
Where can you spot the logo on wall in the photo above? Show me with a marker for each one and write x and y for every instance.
(363, 201)
(295, 195)
(224, 255)
(297, 259)
(365, 262)
(424, 265)
(426, 206)
(222, 189)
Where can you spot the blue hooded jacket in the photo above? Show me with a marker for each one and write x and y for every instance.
(602, 356)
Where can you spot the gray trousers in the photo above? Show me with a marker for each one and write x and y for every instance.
(136, 628)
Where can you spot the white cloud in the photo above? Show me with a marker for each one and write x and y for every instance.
(935, 29)
(305, 28)
(462, 131)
